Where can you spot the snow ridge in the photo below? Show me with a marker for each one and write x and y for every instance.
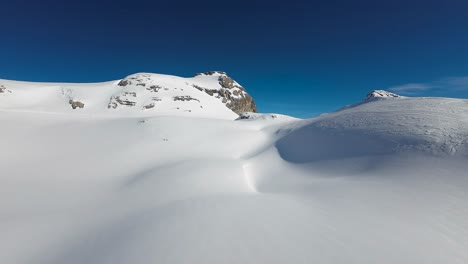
(381, 94)
(211, 94)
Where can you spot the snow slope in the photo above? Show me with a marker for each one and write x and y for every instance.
(383, 181)
(437, 126)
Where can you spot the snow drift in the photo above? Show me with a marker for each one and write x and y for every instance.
(436, 126)
(383, 181)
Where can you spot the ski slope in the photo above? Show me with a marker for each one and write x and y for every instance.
(382, 181)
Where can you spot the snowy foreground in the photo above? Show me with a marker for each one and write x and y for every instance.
(384, 181)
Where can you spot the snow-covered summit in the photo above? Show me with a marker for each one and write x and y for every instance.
(381, 94)
(210, 94)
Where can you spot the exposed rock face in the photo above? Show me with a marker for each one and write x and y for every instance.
(254, 116)
(122, 99)
(154, 88)
(228, 83)
(185, 98)
(231, 93)
(76, 104)
(124, 82)
(245, 104)
(149, 106)
(3, 89)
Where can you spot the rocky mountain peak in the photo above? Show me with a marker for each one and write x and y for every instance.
(215, 84)
(211, 73)
(231, 92)
(209, 94)
(381, 94)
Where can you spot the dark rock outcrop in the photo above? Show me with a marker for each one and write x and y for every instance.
(149, 106)
(124, 82)
(253, 116)
(3, 89)
(231, 93)
(76, 104)
(115, 101)
(185, 98)
(246, 104)
(154, 88)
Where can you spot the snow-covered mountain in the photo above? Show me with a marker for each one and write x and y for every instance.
(210, 94)
(392, 124)
(381, 181)
(381, 94)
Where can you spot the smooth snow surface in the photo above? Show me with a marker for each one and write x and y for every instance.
(382, 182)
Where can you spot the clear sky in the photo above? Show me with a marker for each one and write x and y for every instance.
(295, 57)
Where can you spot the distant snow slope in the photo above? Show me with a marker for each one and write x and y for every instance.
(383, 181)
(436, 126)
(211, 94)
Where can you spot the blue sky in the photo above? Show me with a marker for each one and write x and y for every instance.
(295, 57)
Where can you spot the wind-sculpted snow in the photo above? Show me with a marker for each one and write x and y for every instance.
(435, 126)
(380, 182)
